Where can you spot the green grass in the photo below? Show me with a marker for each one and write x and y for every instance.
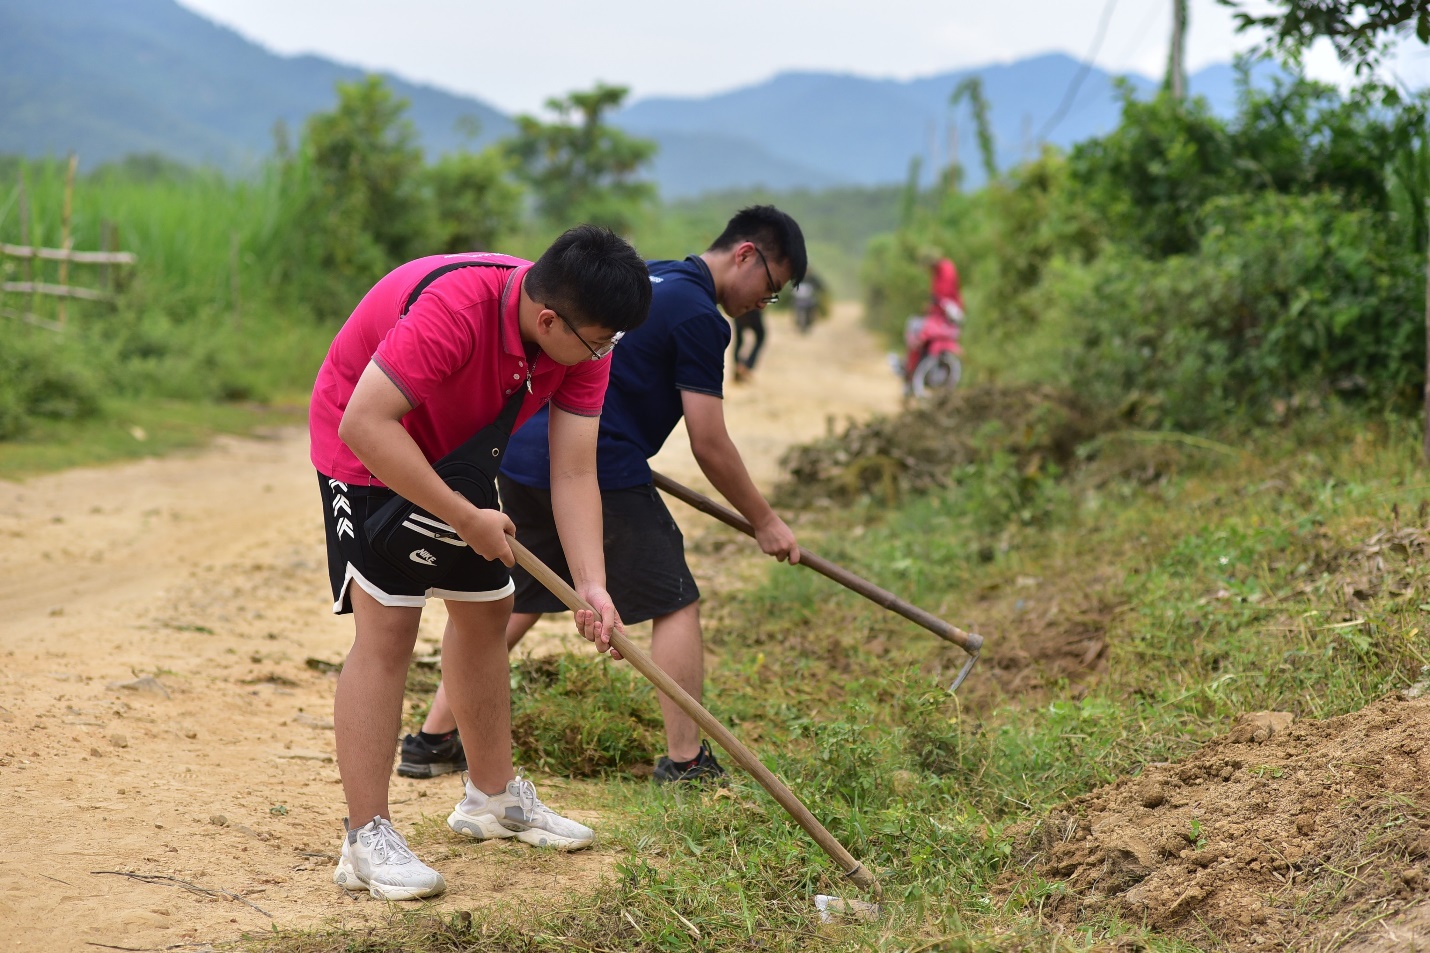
(1217, 583)
(163, 425)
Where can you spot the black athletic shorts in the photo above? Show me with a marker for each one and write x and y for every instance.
(646, 573)
(346, 507)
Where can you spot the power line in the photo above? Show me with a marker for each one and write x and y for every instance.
(1155, 11)
(1071, 94)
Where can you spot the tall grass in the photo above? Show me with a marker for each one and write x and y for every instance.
(200, 317)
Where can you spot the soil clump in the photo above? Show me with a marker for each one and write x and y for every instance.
(1279, 835)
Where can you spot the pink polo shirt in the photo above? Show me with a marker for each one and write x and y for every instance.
(457, 356)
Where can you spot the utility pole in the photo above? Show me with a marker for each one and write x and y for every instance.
(1176, 82)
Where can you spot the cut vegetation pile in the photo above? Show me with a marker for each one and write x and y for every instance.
(921, 448)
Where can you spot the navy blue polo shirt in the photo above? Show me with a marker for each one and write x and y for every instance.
(681, 346)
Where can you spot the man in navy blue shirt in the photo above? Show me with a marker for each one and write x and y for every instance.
(672, 366)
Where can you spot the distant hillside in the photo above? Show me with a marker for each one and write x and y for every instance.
(855, 130)
(106, 79)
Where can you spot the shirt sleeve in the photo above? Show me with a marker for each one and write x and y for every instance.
(425, 348)
(700, 343)
(583, 389)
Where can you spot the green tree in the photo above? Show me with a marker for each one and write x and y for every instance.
(581, 168)
(476, 201)
(355, 192)
(1360, 30)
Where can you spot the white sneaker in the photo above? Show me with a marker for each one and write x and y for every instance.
(517, 812)
(376, 858)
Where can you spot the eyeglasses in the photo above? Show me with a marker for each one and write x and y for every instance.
(596, 353)
(774, 294)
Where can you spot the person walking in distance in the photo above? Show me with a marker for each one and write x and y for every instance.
(752, 322)
(441, 349)
(669, 368)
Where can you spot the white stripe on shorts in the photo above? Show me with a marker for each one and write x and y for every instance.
(351, 575)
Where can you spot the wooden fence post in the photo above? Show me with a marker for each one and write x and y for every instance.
(106, 244)
(1425, 446)
(233, 268)
(66, 239)
(25, 238)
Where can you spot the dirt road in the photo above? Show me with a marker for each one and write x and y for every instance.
(165, 743)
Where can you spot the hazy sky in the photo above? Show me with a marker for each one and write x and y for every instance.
(517, 54)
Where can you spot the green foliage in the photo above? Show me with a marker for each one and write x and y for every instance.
(580, 168)
(1149, 178)
(1286, 294)
(357, 200)
(1361, 30)
(477, 203)
(352, 197)
(41, 378)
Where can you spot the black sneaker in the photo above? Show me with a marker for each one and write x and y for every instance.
(422, 759)
(701, 769)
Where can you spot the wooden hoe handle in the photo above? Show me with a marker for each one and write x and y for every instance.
(970, 642)
(642, 663)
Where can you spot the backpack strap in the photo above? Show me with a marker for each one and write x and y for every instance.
(441, 270)
(507, 418)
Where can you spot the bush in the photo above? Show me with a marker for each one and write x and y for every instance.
(1286, 294)
(42, 376)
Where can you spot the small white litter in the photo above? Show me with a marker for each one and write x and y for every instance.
(829, 906)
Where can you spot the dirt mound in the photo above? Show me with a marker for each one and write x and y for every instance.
(1279, 835)
(917, 449)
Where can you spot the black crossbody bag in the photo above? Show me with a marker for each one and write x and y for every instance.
(418, 544)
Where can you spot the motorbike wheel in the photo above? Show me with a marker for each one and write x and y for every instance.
(936, 372)
(803, 319)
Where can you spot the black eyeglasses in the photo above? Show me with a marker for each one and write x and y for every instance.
(596, 353)
(774, 294)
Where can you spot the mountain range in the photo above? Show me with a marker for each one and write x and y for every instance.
(107, 79)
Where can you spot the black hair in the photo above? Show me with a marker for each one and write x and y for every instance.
(773, 232)
(593, 278)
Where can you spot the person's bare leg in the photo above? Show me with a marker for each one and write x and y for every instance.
(440, 718)
(519, 624)
(676, 646)
(367, 709)
(474, 667)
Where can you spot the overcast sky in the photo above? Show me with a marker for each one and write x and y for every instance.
(517, 54)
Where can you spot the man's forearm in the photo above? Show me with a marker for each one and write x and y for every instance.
(576, 497)
(726, 471)
(576, 505)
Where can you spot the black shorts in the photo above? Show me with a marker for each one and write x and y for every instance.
(346, 507)
(646, 573)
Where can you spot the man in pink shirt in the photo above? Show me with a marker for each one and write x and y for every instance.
(440, 349)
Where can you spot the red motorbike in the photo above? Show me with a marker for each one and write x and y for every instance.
(934, 357)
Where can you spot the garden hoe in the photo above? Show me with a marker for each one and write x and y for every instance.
(970, 642)
(854, 870)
